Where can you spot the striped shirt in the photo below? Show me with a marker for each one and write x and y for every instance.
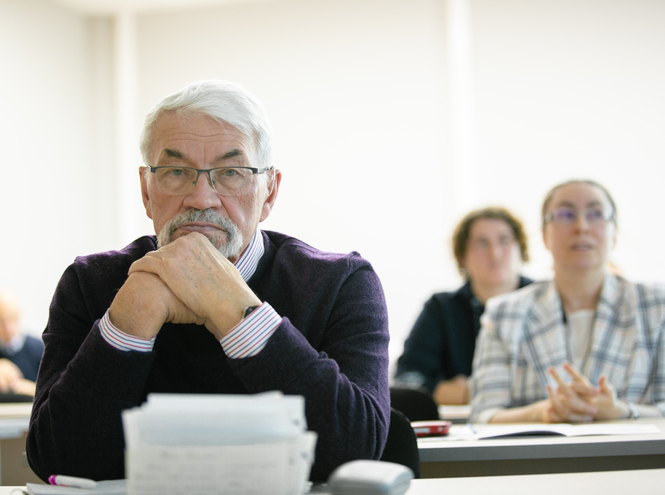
(246, 339)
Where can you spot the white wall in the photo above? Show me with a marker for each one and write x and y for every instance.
(53, 193)
(569, 88)
(357, 92)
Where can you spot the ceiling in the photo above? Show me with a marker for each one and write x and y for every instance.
(109, 7)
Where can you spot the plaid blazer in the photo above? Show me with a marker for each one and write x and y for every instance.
(523, 333)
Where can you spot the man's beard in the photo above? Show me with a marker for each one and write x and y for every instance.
(229, 249)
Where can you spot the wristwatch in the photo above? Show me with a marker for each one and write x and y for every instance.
(248, 311)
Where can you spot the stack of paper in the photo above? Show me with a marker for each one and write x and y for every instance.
(218, 444)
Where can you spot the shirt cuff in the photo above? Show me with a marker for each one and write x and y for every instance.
(120, 340)
(251, 335)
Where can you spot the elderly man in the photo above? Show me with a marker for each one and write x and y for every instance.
(19, 354)
(151, 317)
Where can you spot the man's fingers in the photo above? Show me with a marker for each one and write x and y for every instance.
(149, 264)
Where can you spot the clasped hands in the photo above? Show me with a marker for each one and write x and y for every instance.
(186, 281)
(579, 401)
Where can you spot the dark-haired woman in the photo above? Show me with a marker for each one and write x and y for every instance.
(489, 246)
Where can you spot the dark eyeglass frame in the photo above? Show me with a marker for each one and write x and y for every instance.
(198, 171)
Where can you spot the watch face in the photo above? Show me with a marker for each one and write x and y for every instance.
(248, 311)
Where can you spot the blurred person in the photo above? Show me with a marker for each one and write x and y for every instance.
(211, 304)
(587, 345)
(19, 354)
(489, 246)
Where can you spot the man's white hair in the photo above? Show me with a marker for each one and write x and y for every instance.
(224, 101)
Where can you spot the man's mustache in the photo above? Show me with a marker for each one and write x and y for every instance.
(192, 216)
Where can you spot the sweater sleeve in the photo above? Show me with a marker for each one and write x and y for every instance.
(344, 382)
(82, 387)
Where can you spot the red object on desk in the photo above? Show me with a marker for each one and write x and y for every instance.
(431, 428)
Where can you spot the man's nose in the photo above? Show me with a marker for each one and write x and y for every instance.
(203, 195)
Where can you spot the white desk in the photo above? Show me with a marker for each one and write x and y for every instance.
(540, 455)
(644, 482)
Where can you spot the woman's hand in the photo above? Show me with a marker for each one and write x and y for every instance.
(570, 402)
(575, 402)
(606, 402)
(598, 403)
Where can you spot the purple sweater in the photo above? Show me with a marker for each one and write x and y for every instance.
(331, 348)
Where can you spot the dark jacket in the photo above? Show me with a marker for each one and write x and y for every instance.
(443, 339)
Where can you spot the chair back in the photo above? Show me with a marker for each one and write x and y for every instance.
(414, 404)
(402, 445)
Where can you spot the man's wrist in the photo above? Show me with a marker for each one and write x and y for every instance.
(133, 327)
(121, 340)
(251, 334)
(249, 310)
(225, 318)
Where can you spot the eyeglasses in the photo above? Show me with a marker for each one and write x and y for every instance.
(227, 181)
(568, 216)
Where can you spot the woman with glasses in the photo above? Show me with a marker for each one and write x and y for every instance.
(489, 246)
(585, 346)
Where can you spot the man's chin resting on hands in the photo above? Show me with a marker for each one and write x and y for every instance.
(211, 304)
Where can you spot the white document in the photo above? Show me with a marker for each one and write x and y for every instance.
(485, 432)
(564, 429)
(218, 444)
(259, 469)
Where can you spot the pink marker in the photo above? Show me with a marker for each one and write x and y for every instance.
(71, 481)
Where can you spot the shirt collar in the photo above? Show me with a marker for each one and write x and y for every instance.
(249, 259)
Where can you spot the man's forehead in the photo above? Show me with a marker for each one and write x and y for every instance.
(183, 136)
(175, 126)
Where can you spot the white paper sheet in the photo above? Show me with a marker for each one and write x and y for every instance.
(218, 444)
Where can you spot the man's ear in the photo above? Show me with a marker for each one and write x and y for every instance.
(273, 189)
(145, 196)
